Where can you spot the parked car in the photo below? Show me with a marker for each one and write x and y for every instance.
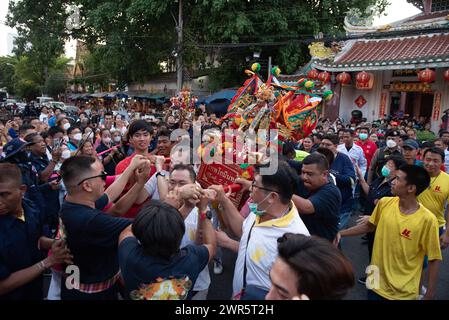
(71, 109)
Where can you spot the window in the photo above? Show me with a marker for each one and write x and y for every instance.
(440, 5)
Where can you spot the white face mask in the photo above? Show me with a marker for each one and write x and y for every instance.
(77, 136)
(107, 140)
(391, 144)
(66, 126)
(117, 139)
(66, 154)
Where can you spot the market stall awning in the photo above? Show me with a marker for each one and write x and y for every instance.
(152, 96)
(226, 94)
(99, 95)
(417, 52)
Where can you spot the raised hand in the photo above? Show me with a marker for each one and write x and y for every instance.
(60, 253)
(221, 194)
(190, 192)
(137, 162)
(173, 199)
(142, 174)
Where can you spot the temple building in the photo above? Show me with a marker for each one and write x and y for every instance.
(399, 69)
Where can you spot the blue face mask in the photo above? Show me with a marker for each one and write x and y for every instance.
(385, 171)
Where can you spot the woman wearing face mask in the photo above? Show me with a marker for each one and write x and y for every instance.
(64, 124)
(75, 137)
(113, 156)
(379, 188)
(378, 160)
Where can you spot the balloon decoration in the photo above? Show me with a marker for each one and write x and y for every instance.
(427, 76)
(344, 78)
(363, 78)
(324, 77)
(446, 75)
(313, 74)
(309, 85)
(276, 71)
(255, 67)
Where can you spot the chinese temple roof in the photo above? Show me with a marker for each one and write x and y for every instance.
(415, 52)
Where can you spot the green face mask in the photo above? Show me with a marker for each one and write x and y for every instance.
(363, 136)
(385, 171)
(254, 208)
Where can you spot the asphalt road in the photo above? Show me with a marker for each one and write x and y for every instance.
(353, 248)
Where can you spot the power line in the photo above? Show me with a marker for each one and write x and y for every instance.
(341, 37)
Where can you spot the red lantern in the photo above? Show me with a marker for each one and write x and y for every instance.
(313, 74)
(324, 77)
(427, 76)
(344, 78)
(446, 75)
(363, 78)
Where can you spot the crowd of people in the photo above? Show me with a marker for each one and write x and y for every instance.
(110, 195)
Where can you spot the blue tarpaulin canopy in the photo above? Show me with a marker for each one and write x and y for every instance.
(218, 102)
(226, 94)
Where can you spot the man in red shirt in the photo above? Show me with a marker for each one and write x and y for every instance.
(139, 136)
(369, 147)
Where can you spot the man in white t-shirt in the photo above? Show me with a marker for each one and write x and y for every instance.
(182, 177)
(157, 186)
(272, 215)
(353, 151)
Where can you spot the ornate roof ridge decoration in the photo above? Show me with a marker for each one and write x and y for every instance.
(419, 21)
(408, 52)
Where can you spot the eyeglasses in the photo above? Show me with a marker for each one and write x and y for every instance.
(253, 185)
(103, 176)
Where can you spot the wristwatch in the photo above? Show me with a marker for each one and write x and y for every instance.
(206, 215)
(162, 174)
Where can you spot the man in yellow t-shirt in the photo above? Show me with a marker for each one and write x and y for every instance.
(405, 232)
(436, 196)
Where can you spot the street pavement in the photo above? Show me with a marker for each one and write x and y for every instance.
(353, 248)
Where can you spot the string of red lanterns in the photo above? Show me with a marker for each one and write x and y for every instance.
(362, 78)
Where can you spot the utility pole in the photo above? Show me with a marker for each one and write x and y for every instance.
(179, 66)
(269, 67)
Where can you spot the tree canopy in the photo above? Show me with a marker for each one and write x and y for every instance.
(131, 40)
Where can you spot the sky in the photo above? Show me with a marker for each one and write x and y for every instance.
(398, 10)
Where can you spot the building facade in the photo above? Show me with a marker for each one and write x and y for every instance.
(394, 57)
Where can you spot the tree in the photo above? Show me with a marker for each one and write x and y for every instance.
(131, 40)
(57, 80)
(41, 33)
(277, 23)
(7, 73)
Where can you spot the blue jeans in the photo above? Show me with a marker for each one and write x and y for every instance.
(344, 220)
